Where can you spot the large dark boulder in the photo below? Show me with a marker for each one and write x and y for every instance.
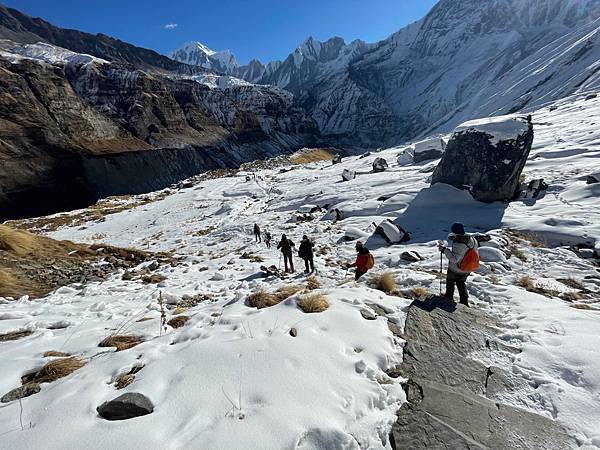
(487, 157)
(126, 406)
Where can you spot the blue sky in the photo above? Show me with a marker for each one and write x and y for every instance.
(265, 29)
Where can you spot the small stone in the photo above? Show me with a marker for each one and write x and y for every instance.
(368, 315)
(411, 256)
(20, 392)
(293, 332)
(126, 406)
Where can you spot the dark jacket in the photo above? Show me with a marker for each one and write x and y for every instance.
(256, 229)
(361, 260)
(286, 246)
(306, 249)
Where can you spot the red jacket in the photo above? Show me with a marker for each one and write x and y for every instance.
(361, 262)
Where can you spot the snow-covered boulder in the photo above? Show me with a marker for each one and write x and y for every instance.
(406, 156)
(352, 234)
(309, 209)
(593, 178)
(392, 233)
(411, 256)
(428, 149)
(535, 188)
(491, 254)
(487, 157)
(348, 175)
(380, 165)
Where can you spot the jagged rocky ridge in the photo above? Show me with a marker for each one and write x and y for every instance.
(463, 60)
(75, 128)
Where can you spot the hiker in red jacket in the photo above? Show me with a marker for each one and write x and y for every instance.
(362, 261)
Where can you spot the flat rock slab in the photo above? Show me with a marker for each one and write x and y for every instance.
(452, 396)
(21, 392)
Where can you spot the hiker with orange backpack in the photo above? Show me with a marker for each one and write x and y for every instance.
(463, 258)
(364, 261)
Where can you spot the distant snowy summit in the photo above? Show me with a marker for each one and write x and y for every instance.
(197, 54)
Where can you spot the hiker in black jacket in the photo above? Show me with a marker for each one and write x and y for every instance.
(286, 246)
(306, 253)
(257, 233)
(268, 239)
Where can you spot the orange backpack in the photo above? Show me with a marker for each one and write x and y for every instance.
(470, 262)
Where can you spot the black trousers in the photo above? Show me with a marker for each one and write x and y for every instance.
(459, 280)
(309, 264)
(287, 258)
(358, 274)
(257, 236)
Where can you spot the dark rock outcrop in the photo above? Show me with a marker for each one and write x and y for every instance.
(380, 165)
(453, 398)
(126, 406)
(71, 133)
(593, 178)
(487, 157)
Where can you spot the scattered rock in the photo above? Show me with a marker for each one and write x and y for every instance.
(380, 165)
(428, 149)
(411, 256)
(21, 392)
(591, 96)
(126, 406)
(337, 158)
(392, 233)
(348, 175)
(368, 314)
(587, 253)
(218, 276)
(535, 188)
(593, 178)
(487, 157)
(293, 332)
(406, 156)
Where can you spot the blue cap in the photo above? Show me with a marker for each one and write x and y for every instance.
(458, 228)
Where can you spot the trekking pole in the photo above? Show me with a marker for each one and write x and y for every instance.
(441, 274)
(280, 256)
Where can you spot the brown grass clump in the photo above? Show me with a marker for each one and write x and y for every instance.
(313, 303)
(313, 283)
(179, 310)
(262, 299)
(178, 322)
(22, 243)
(121, 342)
(287, 291)
(155, 278)
(582, 306)
(572, 296)
(58, 369)
(526, 282)
(419, 292)
(50, 353)
(572, 283)
(124, 380)
(385, 282)
(311, 155)
(14, 335)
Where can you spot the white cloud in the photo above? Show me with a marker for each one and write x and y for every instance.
(170, 26)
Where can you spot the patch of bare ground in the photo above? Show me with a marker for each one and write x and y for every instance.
(36, 265)
(14, 335)
(312, 155)
(121, 342)
(56, 369)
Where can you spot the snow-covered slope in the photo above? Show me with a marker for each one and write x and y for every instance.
(233, 376)
(45, 53)
(198, 54)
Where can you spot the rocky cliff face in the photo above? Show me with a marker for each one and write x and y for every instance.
(74, 128)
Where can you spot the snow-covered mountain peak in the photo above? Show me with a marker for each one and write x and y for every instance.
(198, 54)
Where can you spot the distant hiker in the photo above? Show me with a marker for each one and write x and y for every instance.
(463, 259)
(286, 246)
(257, 233)
(306, 253)
(364, 261)
(268, 239)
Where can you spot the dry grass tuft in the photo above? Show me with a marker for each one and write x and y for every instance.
(526, 282)
(178, 322)
(572, 296)
(572, 283)
(179, 310)
(50, 353)
(311, 155)
(582, 306)
(287, 291)
(22, 243)
(155, 278)
(124, 380)
(121, 342)
(313, 283)
(262, 299)
(313, 303)
(14, 335)
(419, 292)
(58, 369)
(384, 281)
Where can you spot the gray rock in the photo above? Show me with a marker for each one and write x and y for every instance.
(337, 158)
(20, 392)
(487, 159)
(367, 314)
(428, 149)
(126, 406)
(593, 178)
(380, 165)
(411, 256)
(348, 175)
